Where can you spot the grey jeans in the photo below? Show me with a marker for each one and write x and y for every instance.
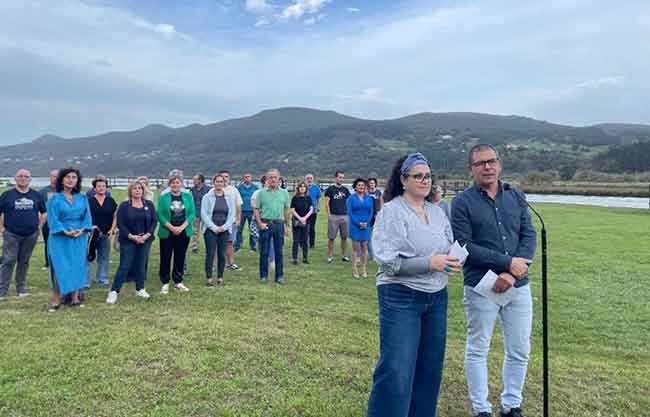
(16, 251)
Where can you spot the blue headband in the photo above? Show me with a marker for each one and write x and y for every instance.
(412, 160)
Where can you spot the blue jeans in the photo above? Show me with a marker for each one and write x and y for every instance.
(245, 215)
(516, 325)
(274, 233)
(103, 261)
(133, 260)
(412, 333)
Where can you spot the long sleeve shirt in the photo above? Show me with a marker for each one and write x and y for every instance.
(136, 221)
(403, 242)
(495, 231)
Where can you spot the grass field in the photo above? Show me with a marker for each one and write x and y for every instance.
(309, 348)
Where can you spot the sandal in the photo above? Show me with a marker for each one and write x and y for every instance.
(51, 308)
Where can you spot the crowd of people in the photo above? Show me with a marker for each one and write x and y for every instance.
(408, 229)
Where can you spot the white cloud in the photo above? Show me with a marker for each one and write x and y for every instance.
(257, 6)
(163, 29)
(262, 22)
(482, 56)
(314, 19)
(302, 7)
(368, 95)
(602, 82)
(353, 9)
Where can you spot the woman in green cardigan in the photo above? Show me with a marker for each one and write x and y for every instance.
(176, 214)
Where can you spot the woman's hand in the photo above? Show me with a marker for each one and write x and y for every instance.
(444, 263)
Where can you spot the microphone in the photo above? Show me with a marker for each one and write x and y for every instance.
(508, 187)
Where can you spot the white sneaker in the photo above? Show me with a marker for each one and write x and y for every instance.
(142, 293)
(181, 287)
(164, 289)
(112, 297)
(23, 294)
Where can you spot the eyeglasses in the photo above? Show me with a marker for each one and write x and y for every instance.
(489, 162)
(420, 177)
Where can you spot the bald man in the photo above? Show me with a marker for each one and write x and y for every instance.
(23, 211)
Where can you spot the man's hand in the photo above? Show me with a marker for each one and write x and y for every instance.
(264, 226)
(519, 267)
(504, 282)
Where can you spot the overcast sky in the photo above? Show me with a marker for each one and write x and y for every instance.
(76, 68)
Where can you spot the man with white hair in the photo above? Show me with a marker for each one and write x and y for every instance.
(272, 214)
(23, 211)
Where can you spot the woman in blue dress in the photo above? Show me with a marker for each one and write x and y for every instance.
(360, 209)
(69, 221)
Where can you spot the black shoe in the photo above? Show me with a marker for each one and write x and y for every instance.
(514, 412)
(294, 261)
(305, 261)
(483, 414)
(345, 259)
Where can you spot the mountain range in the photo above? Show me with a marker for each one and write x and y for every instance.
(300, 140)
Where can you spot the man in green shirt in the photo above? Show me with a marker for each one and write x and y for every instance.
(272, 214)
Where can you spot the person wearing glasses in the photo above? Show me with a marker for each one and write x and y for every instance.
(360, 208)
(272, 215)
(494, 222)
(411, 240)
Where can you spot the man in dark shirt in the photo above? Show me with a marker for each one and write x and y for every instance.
(336, 197)
(494, 222)
(198, 191)
(23, 211)
(46, 193)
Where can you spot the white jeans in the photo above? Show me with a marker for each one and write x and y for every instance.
(516, 323)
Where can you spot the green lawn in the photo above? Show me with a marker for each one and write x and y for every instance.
(309, 348)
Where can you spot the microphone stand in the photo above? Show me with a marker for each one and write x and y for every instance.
(544, 305)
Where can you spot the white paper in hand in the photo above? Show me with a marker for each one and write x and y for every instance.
(459, 252)
(484, 287)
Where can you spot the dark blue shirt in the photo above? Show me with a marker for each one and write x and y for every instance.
(136, 221)
(495, 231)
(21, 211)
(197, 194)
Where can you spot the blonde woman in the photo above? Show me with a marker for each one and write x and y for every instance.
(136, 219)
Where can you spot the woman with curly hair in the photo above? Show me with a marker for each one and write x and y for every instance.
(69, 221)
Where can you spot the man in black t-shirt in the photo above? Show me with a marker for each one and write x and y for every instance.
(22, 210)
(336, 197)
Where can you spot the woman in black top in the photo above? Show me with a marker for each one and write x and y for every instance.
(102, 211)
(301, 210)
(136, 219)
